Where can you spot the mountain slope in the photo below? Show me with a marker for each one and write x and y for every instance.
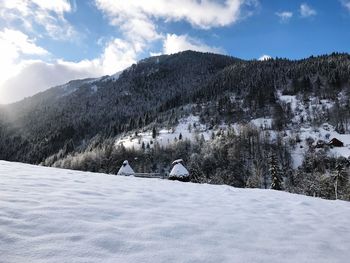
(56, 215)
(44, 124)
(223, 89)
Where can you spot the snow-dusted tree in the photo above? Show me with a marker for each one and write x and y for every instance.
(154, 132)
(276, 180)
(339, 176)
(195, 169)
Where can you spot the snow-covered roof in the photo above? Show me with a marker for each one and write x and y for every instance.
(177, 161)
(126, 169)
(179, 171)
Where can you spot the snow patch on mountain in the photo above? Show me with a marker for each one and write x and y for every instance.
(113, 77)
(74, 85)
(305, 110)
(263, 123)
(189, 127)
(94, 88)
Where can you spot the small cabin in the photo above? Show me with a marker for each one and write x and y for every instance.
(179, 172)
(126, 169)
(336, 143)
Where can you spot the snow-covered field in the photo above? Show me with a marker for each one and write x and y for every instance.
(53, 215)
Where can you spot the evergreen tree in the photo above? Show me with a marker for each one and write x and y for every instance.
(154, 133)
(276, 182)
(339, 177)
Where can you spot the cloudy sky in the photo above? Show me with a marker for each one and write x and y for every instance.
(44, 43)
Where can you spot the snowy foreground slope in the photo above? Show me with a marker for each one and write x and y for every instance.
(52, 215)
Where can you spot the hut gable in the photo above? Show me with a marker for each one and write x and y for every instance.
(126, 169)
(336, 143)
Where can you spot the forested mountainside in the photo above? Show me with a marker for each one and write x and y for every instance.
(257, 123)
(39, 126)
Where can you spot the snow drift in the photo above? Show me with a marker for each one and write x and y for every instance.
(54, 215)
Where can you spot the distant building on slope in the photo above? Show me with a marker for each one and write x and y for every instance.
(126, 169)
(336, 143)
(179, 172)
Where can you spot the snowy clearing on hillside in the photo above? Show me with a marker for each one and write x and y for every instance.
(262, 123)
(168, 136)
(305, 110)
(54, 215)
(300, 126)
(324, 133)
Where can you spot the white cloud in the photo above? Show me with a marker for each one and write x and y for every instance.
(136, 20)
(13, 45)
(58, 6)
(47, 14)
(307, 11)
(140, 32)
(118, 55)
(285, 16)
(36, 76)
(203, 14)
(265, 57)
(28, 77)
(176, 43)
(20, 42)
(346, 4)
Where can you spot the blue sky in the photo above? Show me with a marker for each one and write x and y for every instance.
(46, 43)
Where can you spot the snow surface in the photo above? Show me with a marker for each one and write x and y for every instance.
(263, 123)
(289, 99)
(55, 215)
